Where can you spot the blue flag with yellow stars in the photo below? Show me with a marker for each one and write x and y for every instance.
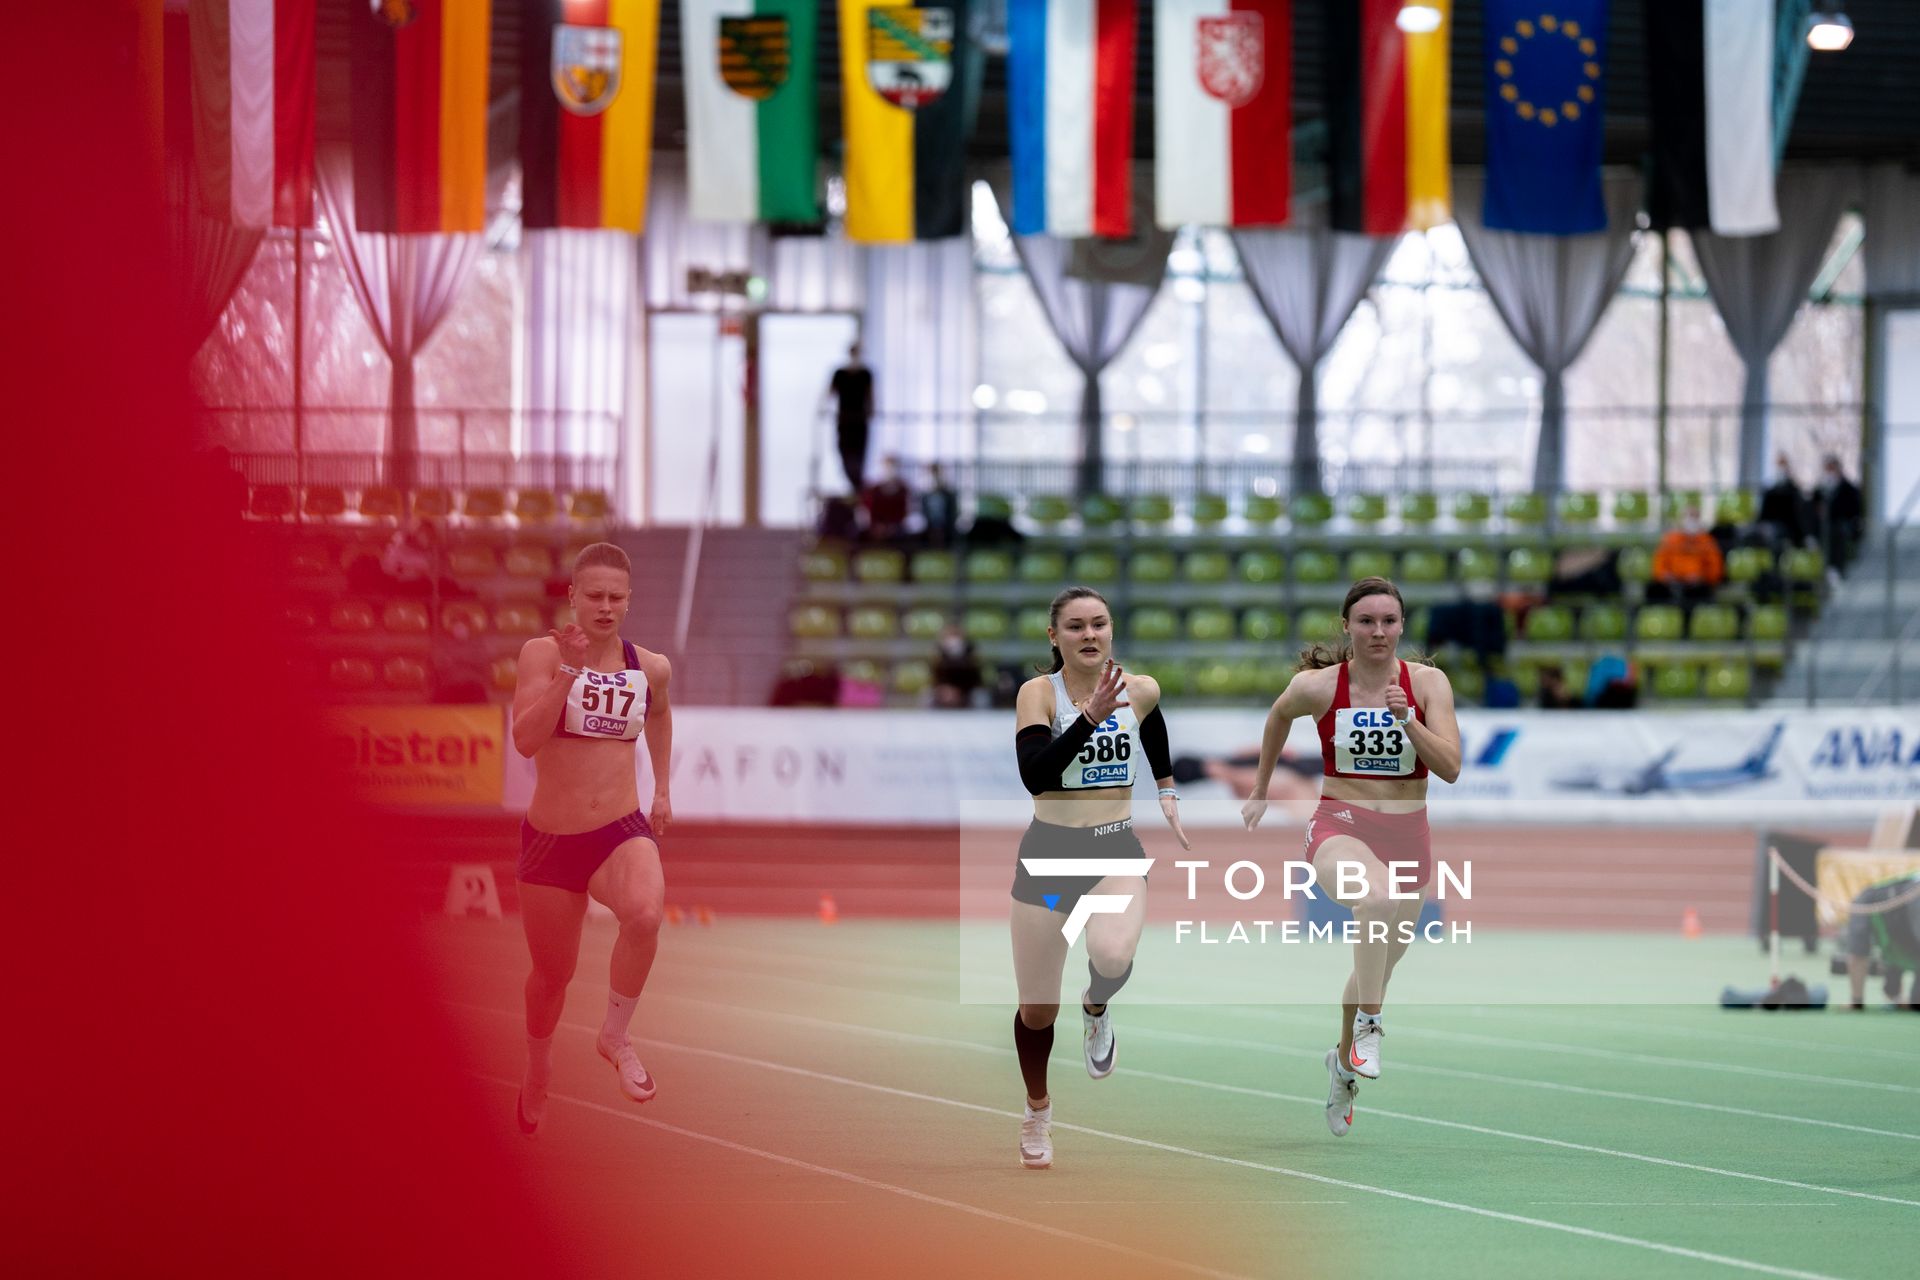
(1546, 87)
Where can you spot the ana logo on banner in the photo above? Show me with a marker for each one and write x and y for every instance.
(586, 68)
(1231, 57)
(909, 53)
(395, 13)
(756, 54)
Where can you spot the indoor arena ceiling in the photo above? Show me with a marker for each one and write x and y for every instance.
(1863, 103)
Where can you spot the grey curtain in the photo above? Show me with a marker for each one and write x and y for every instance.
(1307, 283)
(1892, 244)
(582, 337)
(1759, 282)
(405, 285)
(1550, 292)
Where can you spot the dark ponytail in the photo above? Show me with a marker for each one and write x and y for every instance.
(1060, 602)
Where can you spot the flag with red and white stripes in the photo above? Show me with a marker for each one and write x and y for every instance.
(1223, 111)
(253, 106)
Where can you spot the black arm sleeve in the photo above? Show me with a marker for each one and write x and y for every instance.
(1044, 757)
(1153, 740)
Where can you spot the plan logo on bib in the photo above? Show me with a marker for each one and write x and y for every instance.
(909, 54)
(1230, 57)
(586, 68)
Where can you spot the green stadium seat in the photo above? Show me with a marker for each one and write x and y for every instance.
(813, 622)
(1803, 565)
(349, 672)
(992, 506)
(923, 623)
(1469, 683)
(351, 616)
(1419, 508)
(1603, 623)
(1031, 623)
(1423, 565)
(1715, 622)
(1094, 568)
(980, 622)
(535, 506)
(1048, 508)
(484, 504)
(872, 622)
(1632, 506)
(1659, 623)
(912, 677)
(435, 503)
(1677, 502)
(1263, 509)
(1260, 567)
(1476, 564)
(472, 560)
(1043, 566)
(1215, 680)
(1317, 626)
(1209, 625)
(823, 564)
(1172, 676)
(1150, 509)
(1729, 679)
(1367, 508)
(879, 565)
(1529, 566)
(1673, 680)
(1472, 508)
(1528, 510)
(323, 501)
(589, 506)
(1635, 564)
(931, 566)
(1099, 510)
(1747, 565)
(1263, 625)
(1549, 624)
(382, 502)
(1735, 506)
(1370, 564)
(1206, 567)
(1209, 509)
(863, 670)
(1316, 567)
(529, 562)
(405, 672)
(1310, 509)
(988, 564)
(518, 618)
(1578, 508)
(1768, 623)
(1154, 625)
(271, 502)
(1156, 565)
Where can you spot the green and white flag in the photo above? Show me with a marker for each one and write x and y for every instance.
(751, 129)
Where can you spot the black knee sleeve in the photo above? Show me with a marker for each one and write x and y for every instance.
(1102, 988)
(1033, 1047)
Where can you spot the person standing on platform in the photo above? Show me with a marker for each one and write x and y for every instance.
(852, 389)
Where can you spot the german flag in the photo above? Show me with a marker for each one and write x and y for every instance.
(1386, 109)
(902, 82)
(586, 111)
(419, 114)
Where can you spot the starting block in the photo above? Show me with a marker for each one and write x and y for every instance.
(472, 892)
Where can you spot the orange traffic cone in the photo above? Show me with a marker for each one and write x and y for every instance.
(673, 915)
(829, 913)
(1690, 923)
(703, 914)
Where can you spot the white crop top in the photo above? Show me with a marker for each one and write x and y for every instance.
(1107, 759)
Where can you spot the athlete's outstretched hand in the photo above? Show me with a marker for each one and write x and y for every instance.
(573, 644)
(1253, 810)
(1106, 694)
(1170, 806)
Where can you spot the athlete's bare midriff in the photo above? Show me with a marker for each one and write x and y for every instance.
(1094, 808)
(582, 784)
(1382, 795)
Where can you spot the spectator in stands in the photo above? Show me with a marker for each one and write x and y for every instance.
(1554, 693)
(940, 508)
(1687, 566)
(1784, 515)
(1894, 934)
(887, 503)
(852, 389)
(462, 667)
(411, 556)
(956, 670)
(1840, 515)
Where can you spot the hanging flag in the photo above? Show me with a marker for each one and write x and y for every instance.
(1386, 110)
(1223, 112)
(419, 114)
(586, 112)
(1429, 150)
(1710, 90)
(1545, 93)
(253, 96)
(752, 140)
(903, 100)
(1070, 100)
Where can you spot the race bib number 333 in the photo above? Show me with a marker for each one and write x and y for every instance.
(1368, 740)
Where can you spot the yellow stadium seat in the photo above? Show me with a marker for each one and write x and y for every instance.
(483, 504)
(403, 672)
(519, 618)
(351, 615)
(433, 504)
(405, 617)
(463, 612)
(323, 501)
(589, 504)
(471, 560)
(348, 672)
(534, 506)
(530, 562)
(382, 502)
(271, 502)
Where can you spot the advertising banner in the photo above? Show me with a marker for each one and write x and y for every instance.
(422, 755)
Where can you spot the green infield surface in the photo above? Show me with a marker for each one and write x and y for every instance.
(828, 1107)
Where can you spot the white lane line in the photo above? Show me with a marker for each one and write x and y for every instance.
(873, 1183)
(1700, 1033)
(1692, 1204)
(1610, 1237)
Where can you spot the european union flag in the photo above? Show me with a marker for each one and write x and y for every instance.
(1545, 91)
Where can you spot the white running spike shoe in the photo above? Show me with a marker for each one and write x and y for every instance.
(529, 1117)
(1364, 1057)
(634, 1080)
(1098, 1043)
(1036, 1137)
(1341, 1091)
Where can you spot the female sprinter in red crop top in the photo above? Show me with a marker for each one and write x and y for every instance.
(1385, 726)
(583, 697)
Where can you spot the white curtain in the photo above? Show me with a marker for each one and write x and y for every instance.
(1759, 282)
(1307, 282)
(920, 336)
(1550, 292)
(405, 285)
(581, 345)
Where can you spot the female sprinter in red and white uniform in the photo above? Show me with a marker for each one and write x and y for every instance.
(583, 698)
(1085, 727)
(1385, 726)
